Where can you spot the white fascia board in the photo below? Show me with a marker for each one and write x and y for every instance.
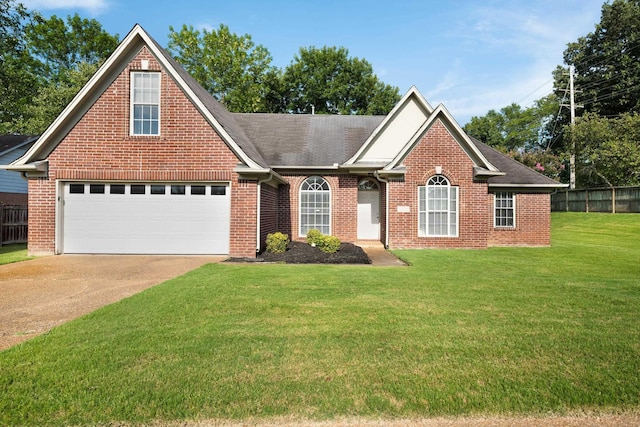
(117, 54)
(81, 95)
(458, 134)
(412, 92)
(198, 102)
(549, 186)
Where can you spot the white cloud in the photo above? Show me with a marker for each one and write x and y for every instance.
(95, 7)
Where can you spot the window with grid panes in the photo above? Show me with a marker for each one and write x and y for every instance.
(315, 206)
(438, 208)
(145, 103)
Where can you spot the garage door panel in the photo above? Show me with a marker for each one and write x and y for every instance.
(146, 223)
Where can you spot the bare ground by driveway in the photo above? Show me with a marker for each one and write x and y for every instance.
(38, 294)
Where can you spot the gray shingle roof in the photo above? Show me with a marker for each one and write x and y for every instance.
(8, 141)
(222, 115)
(307, 140)
(516, 172)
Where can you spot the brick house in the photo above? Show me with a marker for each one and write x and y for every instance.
(144, 160)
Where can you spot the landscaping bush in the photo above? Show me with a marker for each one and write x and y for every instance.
(277, 242)
(327, 244)
(314, 237)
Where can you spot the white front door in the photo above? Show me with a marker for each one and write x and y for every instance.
(368, 215)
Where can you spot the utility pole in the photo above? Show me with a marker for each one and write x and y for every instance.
(572, 156)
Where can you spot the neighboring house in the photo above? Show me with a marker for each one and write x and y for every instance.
(13, 188)
(144, 160)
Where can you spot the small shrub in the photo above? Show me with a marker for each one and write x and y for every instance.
(277, 242)
(329, 244)
(314, 237)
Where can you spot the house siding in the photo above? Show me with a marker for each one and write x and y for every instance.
(100, 147)
(437, 147)
(12, 182)
(533, 222)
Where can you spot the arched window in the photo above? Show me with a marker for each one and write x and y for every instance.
(315, 206)
(438, 208)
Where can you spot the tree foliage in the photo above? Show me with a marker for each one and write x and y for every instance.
(45, 62)
(17, 85)
(58, 47)
(514, 128)
(607, 150)
(231, 67)
(607, 61)
(328, 81)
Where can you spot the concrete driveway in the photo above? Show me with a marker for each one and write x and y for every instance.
(38, 294)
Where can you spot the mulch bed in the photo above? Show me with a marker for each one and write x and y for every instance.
(303, 253)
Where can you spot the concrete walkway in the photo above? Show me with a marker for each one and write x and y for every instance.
(38, 294)
(379, 256)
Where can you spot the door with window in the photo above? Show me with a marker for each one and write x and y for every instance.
(368, 210)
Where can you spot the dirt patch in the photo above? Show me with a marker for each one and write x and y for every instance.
(38, 294)
(580, 420)
(303, 253)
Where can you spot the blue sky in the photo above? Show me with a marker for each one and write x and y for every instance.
(472, 56)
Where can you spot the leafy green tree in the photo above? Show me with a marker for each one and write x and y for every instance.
(52, 98)
(607, 61)
(514, 128)
(17, 83)
(231, 67)
(58, 47)
(607, 150)
(328, 81)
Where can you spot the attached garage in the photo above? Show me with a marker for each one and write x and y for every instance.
(145, 218)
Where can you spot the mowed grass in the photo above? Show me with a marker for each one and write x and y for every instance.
(507, 331)
(13, 253)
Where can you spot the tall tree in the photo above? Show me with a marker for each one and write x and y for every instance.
(607, 61)
(17, 83)
(328, 81)
(52, 98)
(58, 47)
(608, 152)
(514, 128)
(231, 67)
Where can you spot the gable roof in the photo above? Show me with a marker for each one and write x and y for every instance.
(303, 140)
(516, 174)
(218, 117)
(412, 109)
(9, 142)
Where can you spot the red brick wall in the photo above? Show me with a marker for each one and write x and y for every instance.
(438, 148)
(533, 222)
(268, 213)
(100, 147)
(344, 205)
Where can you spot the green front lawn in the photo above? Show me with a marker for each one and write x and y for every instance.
(498, 331)
(13, 253)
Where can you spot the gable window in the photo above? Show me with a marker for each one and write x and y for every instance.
(504, 210)
(315, 206)
(438, 208)
(145, 103)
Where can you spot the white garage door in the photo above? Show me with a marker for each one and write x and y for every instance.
(114, 218)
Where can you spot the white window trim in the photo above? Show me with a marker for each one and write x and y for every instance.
(495, 217)
(300, 234)
(426, 211)
(131, 104)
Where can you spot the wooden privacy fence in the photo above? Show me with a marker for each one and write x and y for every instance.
(612, 200)
(13, 224)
